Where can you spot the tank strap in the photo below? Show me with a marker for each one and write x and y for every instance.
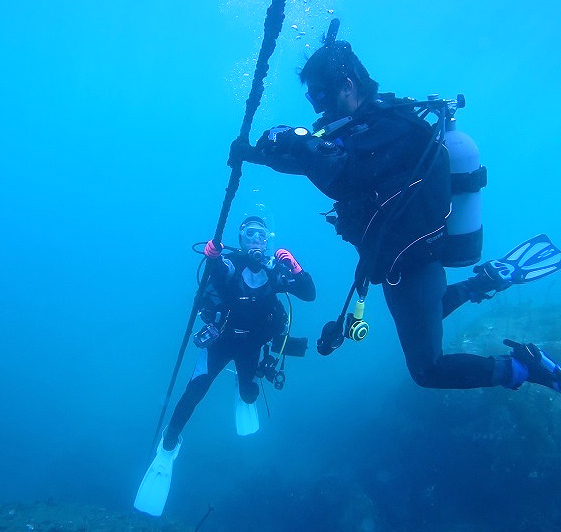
(467, 182)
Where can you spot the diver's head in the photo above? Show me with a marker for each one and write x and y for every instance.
(337, 81)
(253, 234)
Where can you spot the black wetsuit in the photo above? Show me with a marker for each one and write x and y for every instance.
(391, 203)
(242, 297)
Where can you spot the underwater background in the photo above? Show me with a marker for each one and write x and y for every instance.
(116, 118)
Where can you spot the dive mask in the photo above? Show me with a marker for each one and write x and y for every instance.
(323, 99)
(253, 233)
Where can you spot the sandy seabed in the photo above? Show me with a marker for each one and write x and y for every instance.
(53, 516)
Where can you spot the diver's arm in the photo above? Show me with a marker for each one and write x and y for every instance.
(299, 284)
(284, 163)
(222, 270)
(302, 286)
(292, 277)
(294, 151)
(324, 163)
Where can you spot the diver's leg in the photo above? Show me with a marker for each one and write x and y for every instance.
(246, 360)
(454, 297)
(210, 363)
(474, 289)
(417, 309)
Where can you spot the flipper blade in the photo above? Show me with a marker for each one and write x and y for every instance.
(533, 259)
(247, 418)
(154, 489)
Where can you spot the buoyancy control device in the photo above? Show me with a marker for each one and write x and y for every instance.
(464, 240)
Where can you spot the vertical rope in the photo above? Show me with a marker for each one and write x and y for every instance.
(272, 28)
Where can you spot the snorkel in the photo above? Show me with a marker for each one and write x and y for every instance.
(320, 98)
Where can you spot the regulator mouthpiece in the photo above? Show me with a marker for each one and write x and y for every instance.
(331, 338)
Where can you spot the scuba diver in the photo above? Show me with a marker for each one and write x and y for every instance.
(389, 171)
(242, 314)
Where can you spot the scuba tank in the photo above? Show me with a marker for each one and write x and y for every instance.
(467, 177)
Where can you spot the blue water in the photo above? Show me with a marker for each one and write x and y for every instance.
(115, 123)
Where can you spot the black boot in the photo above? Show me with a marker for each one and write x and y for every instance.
(529, 261)
(170, 439)
(492, 276)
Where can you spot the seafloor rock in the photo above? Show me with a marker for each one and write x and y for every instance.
(523, 323)
(53, 516)
(488, 457)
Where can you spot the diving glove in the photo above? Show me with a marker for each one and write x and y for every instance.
(282, 140)
(241, 150)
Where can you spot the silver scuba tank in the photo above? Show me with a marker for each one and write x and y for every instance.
(465, 231)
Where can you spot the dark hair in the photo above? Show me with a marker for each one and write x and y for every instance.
(332, 64)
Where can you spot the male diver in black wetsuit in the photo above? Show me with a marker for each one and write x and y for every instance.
(243, 313)
(391, 184)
